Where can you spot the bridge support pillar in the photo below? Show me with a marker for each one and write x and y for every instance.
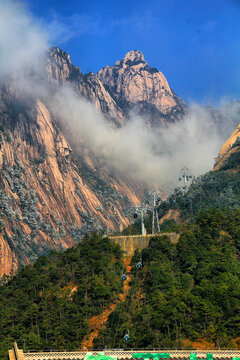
(15, 353)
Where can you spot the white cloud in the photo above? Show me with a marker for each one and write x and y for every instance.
(22, 39)
(155, 156)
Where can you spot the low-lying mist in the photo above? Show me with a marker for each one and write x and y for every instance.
(23, 40)
(154, 156)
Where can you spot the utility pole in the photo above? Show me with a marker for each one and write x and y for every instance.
(140, 211)
(142, 224)
(185, 176)
(153, 214)
(155, 218)
(146, 208)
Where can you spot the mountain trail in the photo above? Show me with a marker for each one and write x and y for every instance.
(98, 322)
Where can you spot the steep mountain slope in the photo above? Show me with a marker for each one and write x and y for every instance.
(51, 194)
(54, 299)
(61, 70)
(48, 199)
(129, 85)
(229, 154)
(186, 294)
(135, 85)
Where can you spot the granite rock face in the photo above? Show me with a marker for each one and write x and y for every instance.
(60, 70)
(131, 85)
(230, 147)
(50, 195)
(135, 85)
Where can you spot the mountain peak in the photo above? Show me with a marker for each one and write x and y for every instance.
(134, 56)
(133, 83)
(55, 52)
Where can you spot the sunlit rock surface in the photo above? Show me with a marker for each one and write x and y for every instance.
(51, 194)
(135, 85)
(231, 146)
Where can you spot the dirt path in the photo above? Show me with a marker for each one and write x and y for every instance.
(172, 214)
(98, 322)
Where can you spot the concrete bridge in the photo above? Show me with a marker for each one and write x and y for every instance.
(131, 243)
(17, 354)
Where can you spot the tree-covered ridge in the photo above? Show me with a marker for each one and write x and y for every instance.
(233, 162)
(47, 304)
(218, 189)
(188, 291)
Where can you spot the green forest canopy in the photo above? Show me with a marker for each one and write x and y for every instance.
(189, 290)
(40, 306)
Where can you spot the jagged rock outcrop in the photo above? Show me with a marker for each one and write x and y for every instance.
(229, 149)
(131, 84)
(135, 85)
(50, 196)
(61, 70)
(47, 199)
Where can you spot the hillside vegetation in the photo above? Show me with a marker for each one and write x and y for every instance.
(185, 293)
(218, 190)
(48, 304)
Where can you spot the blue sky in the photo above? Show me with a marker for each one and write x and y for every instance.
(195, 43)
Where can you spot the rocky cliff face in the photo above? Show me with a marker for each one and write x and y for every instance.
(230, 149)
(117, 90)
(48, 200)
(61, 70)
(49, 195)
(135, 85)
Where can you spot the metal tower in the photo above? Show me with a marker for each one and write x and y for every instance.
(184, 177)
(155, 218)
